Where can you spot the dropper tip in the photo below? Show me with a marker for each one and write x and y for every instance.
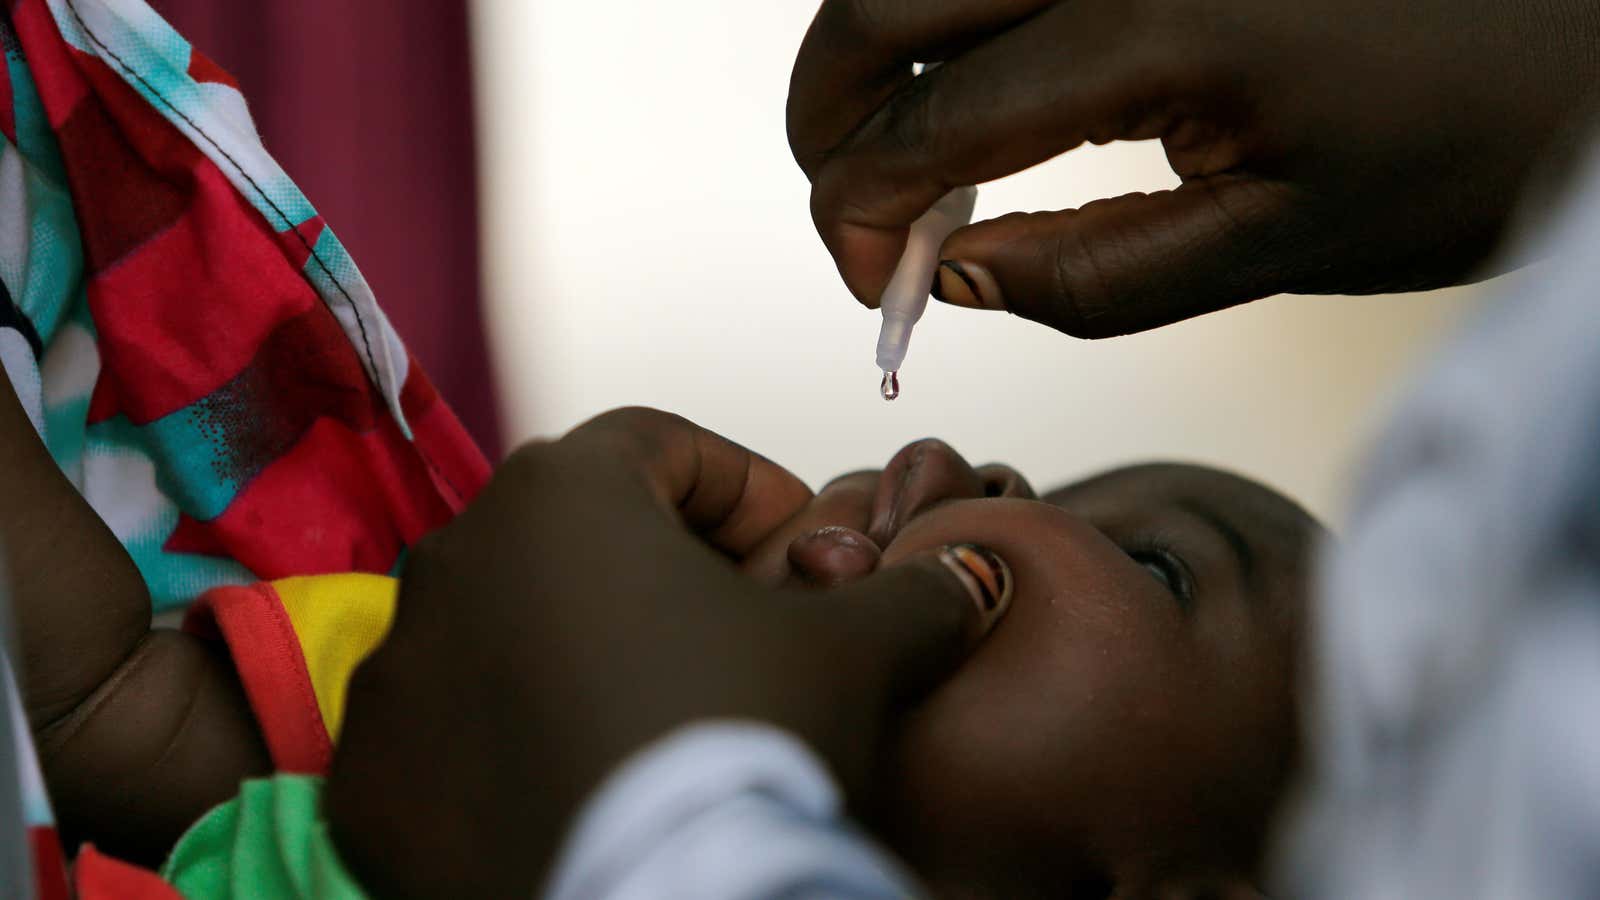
(890, 389)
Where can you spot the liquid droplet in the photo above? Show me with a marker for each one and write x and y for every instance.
(891, 385)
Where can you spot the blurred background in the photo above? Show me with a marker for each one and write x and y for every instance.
(625, 224)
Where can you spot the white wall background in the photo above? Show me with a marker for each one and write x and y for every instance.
(648, 242)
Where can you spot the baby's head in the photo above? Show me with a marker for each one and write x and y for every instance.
(1132, 722)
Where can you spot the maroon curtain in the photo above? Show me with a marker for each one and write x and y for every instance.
(368, 106)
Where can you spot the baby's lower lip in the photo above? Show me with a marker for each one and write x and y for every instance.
(916, 535)
(912, 524)
(955, 520)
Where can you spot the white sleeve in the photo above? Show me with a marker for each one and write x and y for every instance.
(721, 811)
(1456, 745)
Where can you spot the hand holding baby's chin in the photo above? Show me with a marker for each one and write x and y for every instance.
(573, 615)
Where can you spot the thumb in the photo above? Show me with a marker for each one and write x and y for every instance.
(920, 619)
(1137, 262)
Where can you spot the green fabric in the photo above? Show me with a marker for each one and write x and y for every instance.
(269, 842)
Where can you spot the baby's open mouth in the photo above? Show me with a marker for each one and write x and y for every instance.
(928, 473)
(920, 475)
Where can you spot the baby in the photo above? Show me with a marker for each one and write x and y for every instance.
(1129, 727)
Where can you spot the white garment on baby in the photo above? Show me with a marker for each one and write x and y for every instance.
(722, 811)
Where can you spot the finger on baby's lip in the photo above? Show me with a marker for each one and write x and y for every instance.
(832, 556)
(845, 501)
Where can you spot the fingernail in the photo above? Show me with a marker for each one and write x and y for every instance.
(967, 284)
(837, 534)
(833, 555)
(986, 576)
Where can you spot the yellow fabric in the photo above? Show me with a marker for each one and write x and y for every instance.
(339, 619)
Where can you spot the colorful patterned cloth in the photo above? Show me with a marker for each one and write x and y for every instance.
(199, 352)
(269, 843)
(295, 644)
(194, 345)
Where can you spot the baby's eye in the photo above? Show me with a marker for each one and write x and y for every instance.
(1170, 571)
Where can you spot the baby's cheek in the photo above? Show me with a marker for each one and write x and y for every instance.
(1066, 730)
(996, 758)
(1077, 696)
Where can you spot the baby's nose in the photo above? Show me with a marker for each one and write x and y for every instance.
(920, 476)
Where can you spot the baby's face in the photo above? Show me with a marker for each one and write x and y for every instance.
(1131, 721)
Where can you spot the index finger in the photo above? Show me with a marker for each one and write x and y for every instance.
(734, 498)
(858, 53)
